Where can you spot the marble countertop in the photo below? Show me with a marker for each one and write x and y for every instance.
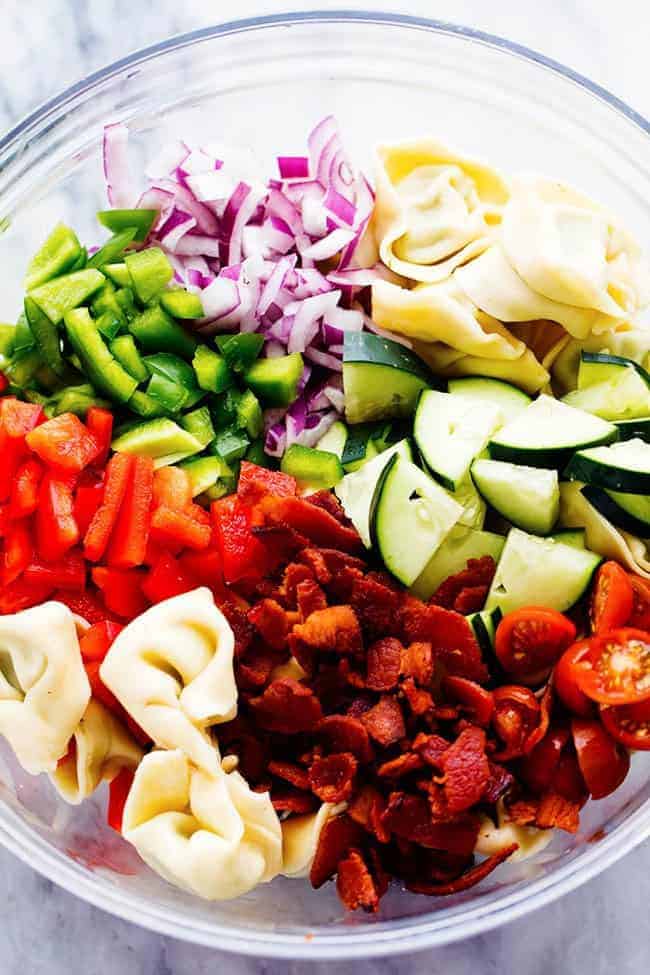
(602, 927)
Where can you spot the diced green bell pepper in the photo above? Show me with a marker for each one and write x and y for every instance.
(7, 339)
(207, 473)
(145, 406)
(126, 300)
(150, 272)
(156, 331)
(105, 301)
(224, 408)
(109, 325)
(24, 338)
(155, 438)
(81, 262)
(125, 351)
(172, 367)
(230, 444)
(118, 273)
(316, 468)
(182, 304)
(56, 256)
(257, 455)
(47, 337)
(117, 220)
(199, 424)
(113, 249)
(78, 400)
(171, 395)
(101, 367)
(212, 370)
(240, 351)
(249, 414)
(22, 368)
(61, 295)
(275, 380)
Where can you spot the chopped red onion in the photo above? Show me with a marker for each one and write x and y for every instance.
(116, 166)
(293, 167)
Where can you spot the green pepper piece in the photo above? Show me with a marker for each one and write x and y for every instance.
(199, 424)
(150, 271)
(7, 339)
(23, 367)
(81, 262)
(172, 367)
(61, 295)
(117, 220)
(240, 351)
(206, 472)
(230, 444)
(126, 301)
(33, 396)
(224, 408)
(113, 249)
(182, 304)
(212, 371)
(125, 351)
(157, 332)
(46, 335)
(78, 400)
(108, 325)
(155, 438)
(169, 394)
(24, 338)
(143, 404)
(118, 273)
(103, 370)
(275, 380)
(257, 455)
(105, 301)
(56, 256)
(249, 414)
(317, 468)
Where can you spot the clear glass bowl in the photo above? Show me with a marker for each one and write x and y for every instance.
(264, 83)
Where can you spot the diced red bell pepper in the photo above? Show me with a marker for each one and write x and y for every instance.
(96, 641)
(170, 525)
(121, 590)
(88, 498)
(166, 579)
(106, 697)
(172, 487)
(21, 595)
(84, 604)
(18, 551)
(100, 424)
(56, 528)
(204, 567)
(68, 574)
(118, 792)
(242, 555)
(16, 420)
(128, 543)
(63, 443)
(24, 490)
(4, 519)
(254, 482)
(118, 477)
(4, 382)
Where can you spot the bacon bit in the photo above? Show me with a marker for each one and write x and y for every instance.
(410, 817)
(308, 519)
(556, 812)
(419, 701)
(367, 809)
(375, 604)
(331, 630)
(402, 765)
(342, 732)
(291, 773)
(288, 707)
(341, 585)
(523, 812)
(270, 620)
(337, 561)
(383, 664)
(466, 770)
(330, 503)
(355, 885)
(417, 662)
(254, 670)
(479, 572)
(310, 598)
(314, 560)
(293, 575)
(471, 599)
(337, 836)
(499, 782)
(467, 880)
(290, 800)
(280, 542)
(385, 722)
(476, 702)
(241, 628)
(431, 748)
(450, 635)
(332, 778)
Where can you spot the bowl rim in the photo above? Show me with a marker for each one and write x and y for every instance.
(373, 940)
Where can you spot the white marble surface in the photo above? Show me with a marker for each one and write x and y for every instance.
(601, 928)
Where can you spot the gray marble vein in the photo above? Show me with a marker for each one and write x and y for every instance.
(598, 929)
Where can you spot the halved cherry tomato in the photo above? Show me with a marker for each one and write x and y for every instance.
(473, 699)
(629, 724)
(516, 714)
(566, 684)
(611, 598)
(616, 667)
(640, 616)
(537, 768)
(603, 762)
(567, 779)
(531, 639)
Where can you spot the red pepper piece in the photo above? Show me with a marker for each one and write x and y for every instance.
(21, 595)
(63, 443)
(128, 544)
(254, 482)
(242, 555)
(170, 525)
(166, 579)
(84, 604)
(18, 551)
(172, 488)
(24, 490)
(121, 590)
(204, 567)
(118, 792)
(118, 474)
(4, 382)
(56, 528)
(88, 497)
(16, 420)
(4, 519)
(95, 642)
(68, 574)
(100, 425)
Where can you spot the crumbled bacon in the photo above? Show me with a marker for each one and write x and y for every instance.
(331, 630)
(310, 598)
(383, 664)
(385, 721)
(337, 836)
(271, 622)
(450, 635)
(478, 574)
(466, 770)
(344, 733)
(355, 884)
(332, 777)
(287, 706)
(417, 662)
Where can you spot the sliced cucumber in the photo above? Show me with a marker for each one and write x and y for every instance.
(571, 536)
(631, 429)
(529, 497)
(485, 625)
(473, 505)
(510, 400)
(607, 503)
(381, 378)
(624, 396)
(450, 431)
(621, 467)
(598, 367)
(536, 571)
(410, 517)
(334, 439)
(460, 545)
(356, 490)
(547, 433)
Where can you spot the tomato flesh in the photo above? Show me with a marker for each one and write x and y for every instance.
(629, 724)
(531, 639)
(565, 680)
(639, 618)
(616, 667)
(603, 762)
(612, 598)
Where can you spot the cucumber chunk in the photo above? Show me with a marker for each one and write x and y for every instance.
(334, 439)
(450, 431)
(510, 400)
(460, 545)
(597, 367)
(624, 396)
(621, 467)
(529, 497)
(536, 571)
(632, 516)
(204, 473)
(356, 490)
(410, 517)
(631, 429)
(485, 625)
(571, 536)
(547, 433)
(381, 378)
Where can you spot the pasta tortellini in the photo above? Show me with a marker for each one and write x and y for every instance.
(600, 535)
(172, 670)
(102, 746)
(44, 690)
(494, 837)
(525, 371)
(209, 834)
(300, 836)
(434, 210)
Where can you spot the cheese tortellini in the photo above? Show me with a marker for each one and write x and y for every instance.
(494, 837)
(102, 747)
(44, 690)
(525, 371)
(434, 209)
(172, 669)
(209, 834)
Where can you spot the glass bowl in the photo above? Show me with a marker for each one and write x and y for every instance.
(265, 83)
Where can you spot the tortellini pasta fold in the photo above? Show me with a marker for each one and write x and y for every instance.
(300, 835)
(494, 837)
